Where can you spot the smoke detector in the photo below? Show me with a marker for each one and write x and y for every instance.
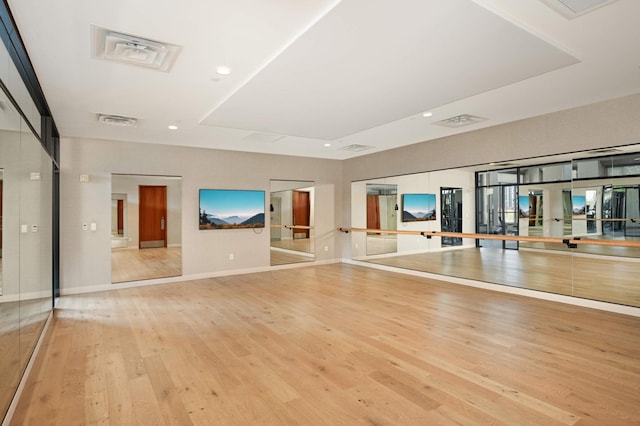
(460, 120)
(117, 120)
(133, 50)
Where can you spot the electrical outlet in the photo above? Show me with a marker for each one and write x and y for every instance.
(326, 248)
(85, 226)
(231, 256)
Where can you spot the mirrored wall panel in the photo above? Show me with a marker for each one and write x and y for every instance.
(567, 224)
(25, 246)
(146, 227)
(291, 212)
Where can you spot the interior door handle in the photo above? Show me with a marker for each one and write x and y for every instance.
(162, 224)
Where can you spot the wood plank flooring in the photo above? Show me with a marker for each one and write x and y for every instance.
(331, 345)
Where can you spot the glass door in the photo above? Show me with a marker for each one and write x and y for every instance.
(497, 208)
(451, 214)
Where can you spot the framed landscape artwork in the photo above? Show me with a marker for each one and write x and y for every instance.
(231, 209)
(418, 207)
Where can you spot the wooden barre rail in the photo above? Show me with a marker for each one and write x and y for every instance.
(292, 226)
(570, 242)
(632, 219)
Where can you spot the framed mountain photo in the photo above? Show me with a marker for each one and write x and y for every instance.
(231, 209)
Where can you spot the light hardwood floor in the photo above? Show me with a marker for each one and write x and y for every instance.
(135, 265)
(331, 345)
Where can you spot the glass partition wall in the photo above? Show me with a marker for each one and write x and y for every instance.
(28, 213)
(566, 224)
(26, 203)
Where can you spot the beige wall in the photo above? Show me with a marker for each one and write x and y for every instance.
(86, 255)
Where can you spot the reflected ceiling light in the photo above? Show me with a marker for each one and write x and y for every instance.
(222, 70)
(327, 145)
(427, 114)
(172, 127)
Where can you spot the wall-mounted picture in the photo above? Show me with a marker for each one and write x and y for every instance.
(231, 209)
(579, 203)
(418, 207)
(523, 206)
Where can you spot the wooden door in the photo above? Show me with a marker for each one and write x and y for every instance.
(120, 221)
(373, 212)
(301, 212)
(152, 216)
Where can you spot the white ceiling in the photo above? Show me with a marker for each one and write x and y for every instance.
(306, 73)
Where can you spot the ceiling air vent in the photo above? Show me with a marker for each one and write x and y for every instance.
(356, 148)
(262, 137)
(460, 120)
(117, 120)
(573, 8)
(133, 50)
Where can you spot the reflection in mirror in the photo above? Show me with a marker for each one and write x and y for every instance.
(291, 207)
(382, 213)
(118, 224)
(10, 163)
(1, 225)
(146, 227)
(568, 224)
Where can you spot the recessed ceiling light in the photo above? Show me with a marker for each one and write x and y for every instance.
(427, 114)
(223, 70)
(172, 127)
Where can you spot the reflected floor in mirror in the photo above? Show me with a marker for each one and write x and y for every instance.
(608, 279)
(380, 244)
(298, 244)
(587, 249)
(297, 250)
(134, 265)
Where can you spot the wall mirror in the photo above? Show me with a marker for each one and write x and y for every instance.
(146, 227)
(26, 204)
(592, 198)
(382, 213)
(291, 211)
(1, 224)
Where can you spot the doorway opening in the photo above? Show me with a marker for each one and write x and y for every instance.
(146, 227)
(451, 214)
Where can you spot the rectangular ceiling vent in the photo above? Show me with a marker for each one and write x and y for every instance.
(460, 120)
(356, 148)
(133, 50)
(573, 8)
(117, 120)
(262, 137)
